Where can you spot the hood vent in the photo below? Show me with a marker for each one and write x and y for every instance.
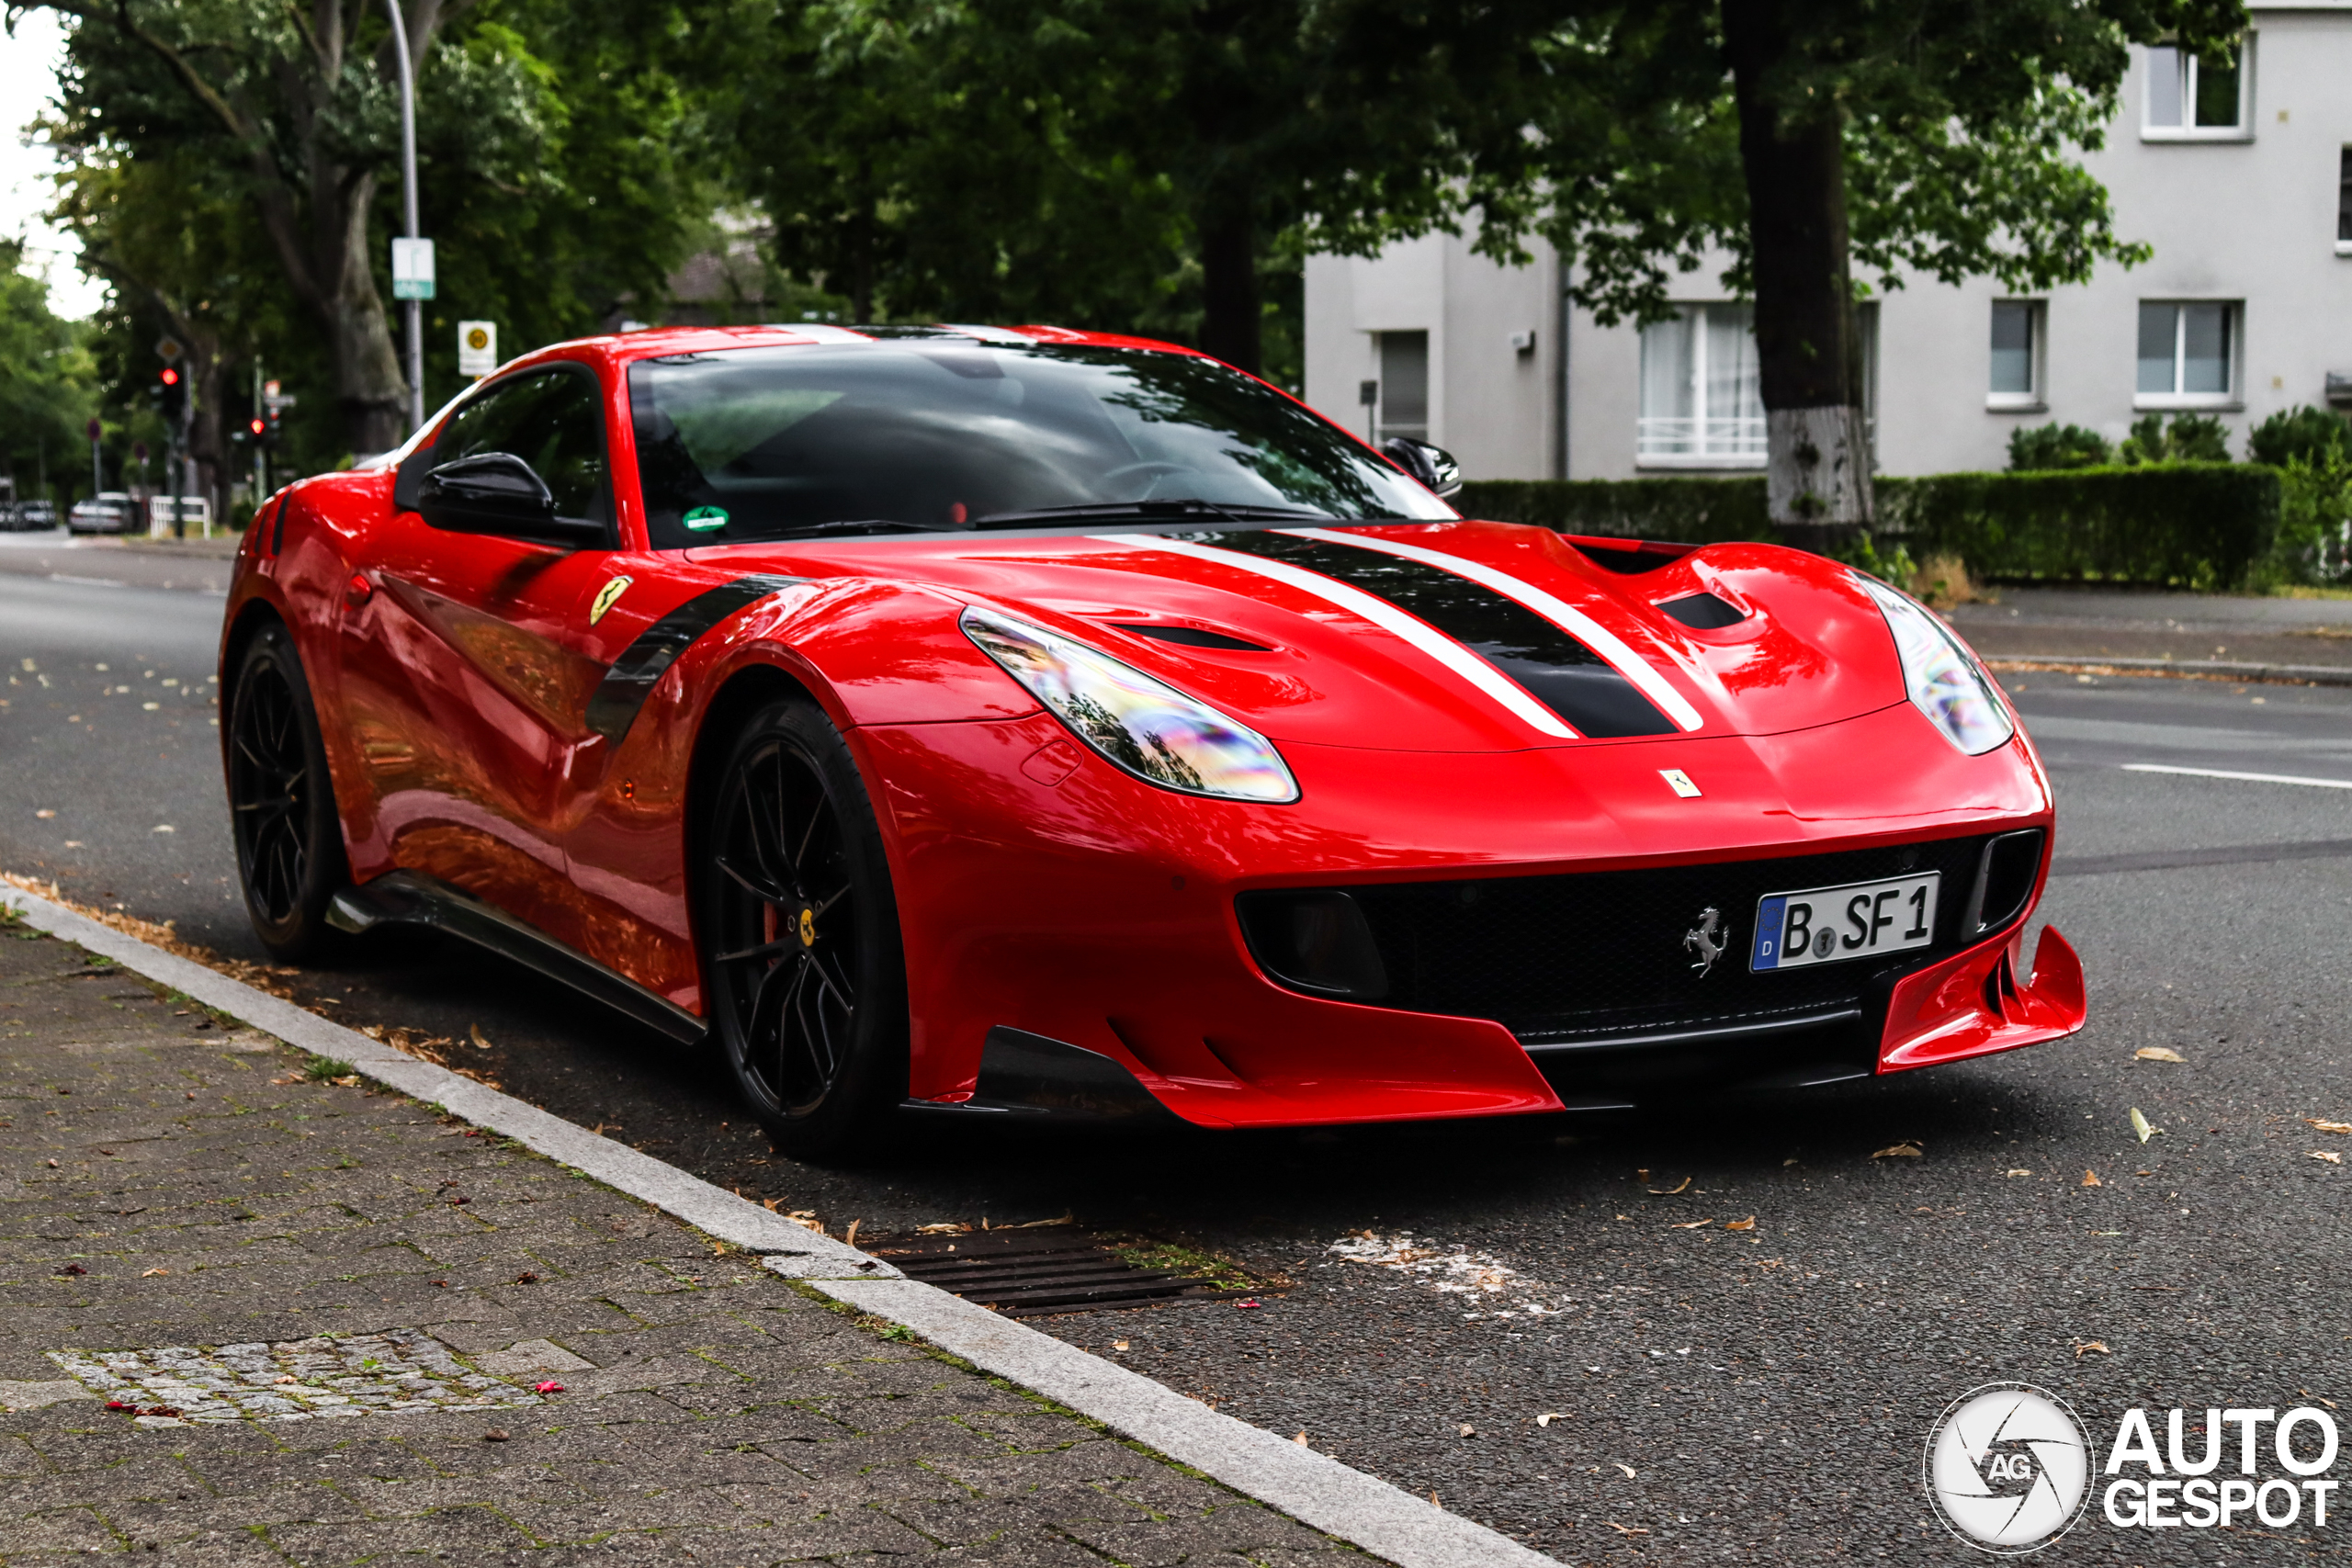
(1192, 636)
(1704, 612)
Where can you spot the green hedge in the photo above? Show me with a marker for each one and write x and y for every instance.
(2191, 525)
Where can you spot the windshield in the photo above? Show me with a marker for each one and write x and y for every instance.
(948, 432)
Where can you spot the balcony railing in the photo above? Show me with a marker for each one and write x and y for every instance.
(1717, 440)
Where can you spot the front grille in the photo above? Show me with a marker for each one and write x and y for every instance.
(1599, 955)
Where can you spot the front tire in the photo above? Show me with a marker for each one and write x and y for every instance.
(799, 928)
(290, 859)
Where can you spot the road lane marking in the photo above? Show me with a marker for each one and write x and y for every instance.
(2242, 778)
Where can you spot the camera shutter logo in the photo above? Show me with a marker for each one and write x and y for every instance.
(2008, 1467)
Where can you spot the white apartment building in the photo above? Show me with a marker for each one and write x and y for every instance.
(2240, 178)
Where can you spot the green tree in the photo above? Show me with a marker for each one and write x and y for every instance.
(47, 383)
(548, 135)
(1805, 138)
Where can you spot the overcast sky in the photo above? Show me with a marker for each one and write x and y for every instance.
(28, 81)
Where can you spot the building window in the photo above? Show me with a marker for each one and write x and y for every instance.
(2188, 97)
(2187, 354)
(1405, 385)
(1700, 403)
(2344, 204)
(2015, 381)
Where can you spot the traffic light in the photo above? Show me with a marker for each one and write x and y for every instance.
(272, 420)
(172, 392)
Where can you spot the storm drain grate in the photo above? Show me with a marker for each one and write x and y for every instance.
(1030, 1273)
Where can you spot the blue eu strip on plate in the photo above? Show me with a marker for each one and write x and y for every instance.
(1769, 915)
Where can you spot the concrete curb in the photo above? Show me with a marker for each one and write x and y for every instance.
(2201, 669)
(1313, 1488)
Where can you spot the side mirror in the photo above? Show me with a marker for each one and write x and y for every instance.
(1434, 465)
(497, 492)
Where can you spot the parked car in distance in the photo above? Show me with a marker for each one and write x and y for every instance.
(33, 514)
(109, 511)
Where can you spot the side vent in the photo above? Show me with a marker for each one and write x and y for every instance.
(2004, 880)
(1704, 612)
(1314, 940)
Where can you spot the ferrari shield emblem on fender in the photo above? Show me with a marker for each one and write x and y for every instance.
(607, 597)
(1708, 940)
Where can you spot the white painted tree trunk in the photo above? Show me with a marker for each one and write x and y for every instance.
(1817, 469)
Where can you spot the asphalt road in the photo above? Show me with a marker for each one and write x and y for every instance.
(1753, 1396)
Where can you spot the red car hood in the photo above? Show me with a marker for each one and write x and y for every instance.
(1447, 636)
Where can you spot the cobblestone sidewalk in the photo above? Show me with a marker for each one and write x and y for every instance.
(254, 1317)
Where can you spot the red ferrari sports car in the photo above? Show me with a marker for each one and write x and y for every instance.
(1038, 722)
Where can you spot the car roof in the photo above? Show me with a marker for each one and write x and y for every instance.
(653, 343)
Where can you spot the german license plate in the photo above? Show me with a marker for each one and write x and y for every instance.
(1862, 919)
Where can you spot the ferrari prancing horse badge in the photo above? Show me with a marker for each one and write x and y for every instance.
(607, 597)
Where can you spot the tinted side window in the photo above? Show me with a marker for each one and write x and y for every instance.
(553, 422)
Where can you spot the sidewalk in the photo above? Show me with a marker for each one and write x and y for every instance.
(2088, 625)
(328, 1309)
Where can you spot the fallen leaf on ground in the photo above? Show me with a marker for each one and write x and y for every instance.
(1693, 1225)
(2020, 1173)
(526, 1278)
(72, 1268)
(1628, 1470)
(2086, 1347)
(806, 1219)
(495, 1435)
(1669, 1191)
(944, 1227)
(2090, 1179)
(1899, 1151)
(551, 1386)
(1548, 1417)
(1118, 1344)
(1468, 1430)
(152, 1272)
(1621, 1216)
(1624, 1529)
(2160, 1053)
(481, 1041)
(1251, 1301)
(2328, 1155)
(1642, 1174)
(2140, 1125)
(2329, 1126)
(1746, 1224)
(850, 1235)
(1035, 1224)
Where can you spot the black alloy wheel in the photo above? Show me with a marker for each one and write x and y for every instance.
(805, 972)
(281, 803)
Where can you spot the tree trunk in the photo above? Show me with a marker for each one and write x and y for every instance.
(370, 386)
(1232, 312)
(1817, 479)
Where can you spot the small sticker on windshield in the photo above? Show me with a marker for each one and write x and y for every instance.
(703, 519)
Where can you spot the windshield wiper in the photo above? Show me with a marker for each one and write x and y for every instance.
(1169, 510)
(851, 525)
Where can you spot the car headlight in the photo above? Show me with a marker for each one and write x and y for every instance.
(1944, 681)
(1153, 731)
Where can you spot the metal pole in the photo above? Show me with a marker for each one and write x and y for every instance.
(408, 209)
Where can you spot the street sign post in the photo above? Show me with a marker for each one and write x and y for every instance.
(477, 348)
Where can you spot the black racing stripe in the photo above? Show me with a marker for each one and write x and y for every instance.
(630, 680)
(1557, 669)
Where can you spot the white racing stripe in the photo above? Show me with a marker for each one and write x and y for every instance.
(2242, 778)
(1565, 616)
(1380, 613)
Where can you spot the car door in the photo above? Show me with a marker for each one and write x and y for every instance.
(468, 664)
